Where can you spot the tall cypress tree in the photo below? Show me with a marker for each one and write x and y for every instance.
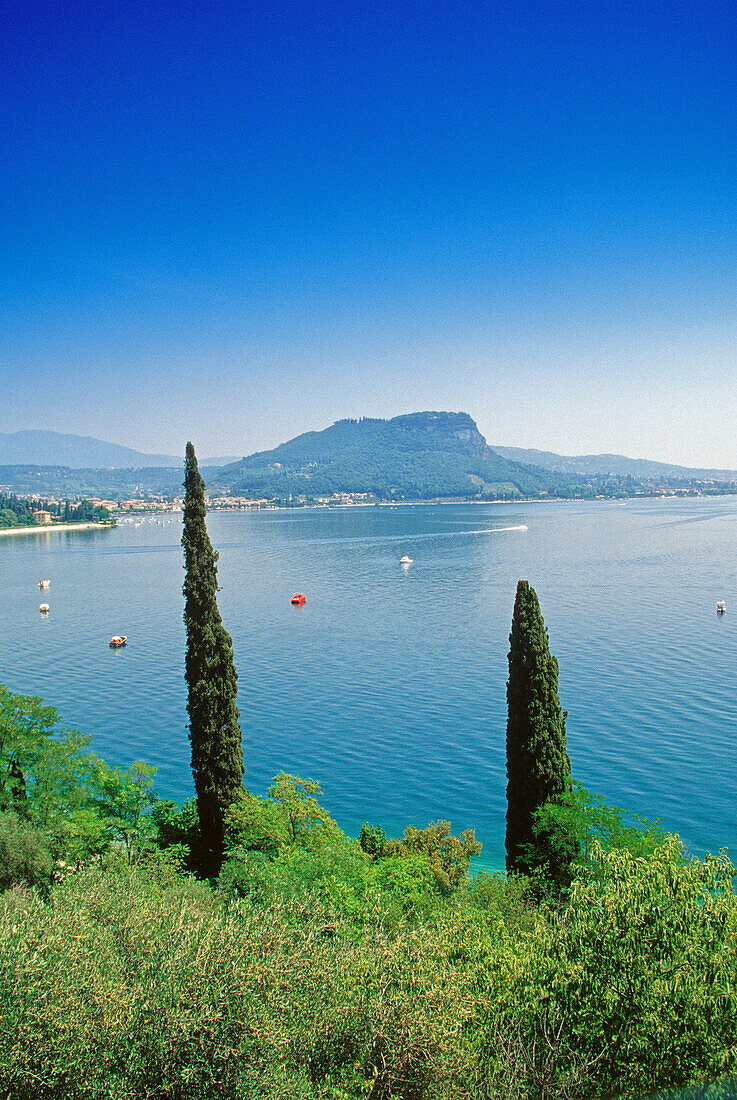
(538, 767)
(212, 681)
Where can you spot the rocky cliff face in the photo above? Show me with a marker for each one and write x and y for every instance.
(448, 424)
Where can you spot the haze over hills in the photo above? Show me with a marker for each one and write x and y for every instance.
(82, 452)
(417, 456)
(617, 465)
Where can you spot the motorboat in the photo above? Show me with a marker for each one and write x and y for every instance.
(43, 608)
(721, 607)
(44, 584)
(406, 560)
(298, 599)
(117, 641)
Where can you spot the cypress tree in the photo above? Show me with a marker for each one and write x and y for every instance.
(538, 767)
(212, 681)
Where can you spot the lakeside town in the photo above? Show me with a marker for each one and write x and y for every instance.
(50, 511)
(43, 516)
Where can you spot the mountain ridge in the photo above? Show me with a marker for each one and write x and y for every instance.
(42, 447)
(605, 464)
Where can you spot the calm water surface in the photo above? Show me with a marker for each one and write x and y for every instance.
(389, 685)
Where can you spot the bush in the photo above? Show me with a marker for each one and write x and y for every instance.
(509, 898)
(131, 989)
(631, 988)
(372, 839)
(25, 856)
(447, 855)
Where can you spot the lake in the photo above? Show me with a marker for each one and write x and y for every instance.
(388, 686)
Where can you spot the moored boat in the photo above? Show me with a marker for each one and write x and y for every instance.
(43, 608)
(721, 607)
(299, 598)
(117, 641)
(406, 560)
(44, 584)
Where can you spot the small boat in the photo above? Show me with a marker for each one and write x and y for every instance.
(721, 607)
(406, 560)
(44, 584)
(43, 608)
(117, 641)
(299, 599)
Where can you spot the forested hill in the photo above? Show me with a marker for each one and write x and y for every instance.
(415, 457)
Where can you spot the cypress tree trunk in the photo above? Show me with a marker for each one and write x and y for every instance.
(538, 767)
(212, 681)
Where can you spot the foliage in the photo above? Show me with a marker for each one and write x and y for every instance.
(372, 839)
(447, 855)
(566, 829)
(306, 822)
(506, 899)
(25, 857)
(538, 768)
(143, 984)
(212, 681)
(327, 969)
(130, 989)
(255, 825)
(26, 727)
(632, 989)
(45, 775)
(124, 801)
(177, 830)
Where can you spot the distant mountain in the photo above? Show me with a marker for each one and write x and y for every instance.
(44, 448)
(206, 462)
(415, 457)
(83, 452)
(617, 465)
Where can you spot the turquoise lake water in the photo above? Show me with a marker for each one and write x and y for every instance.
(389, 685)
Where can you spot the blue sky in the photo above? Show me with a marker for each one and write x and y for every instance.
(233, 222)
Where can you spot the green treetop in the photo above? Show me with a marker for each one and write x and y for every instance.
(212, 681)
(538, 768)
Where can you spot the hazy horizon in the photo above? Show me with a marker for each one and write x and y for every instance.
(240, 223)
(207, 457)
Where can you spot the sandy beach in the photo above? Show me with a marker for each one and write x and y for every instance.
(45, 529)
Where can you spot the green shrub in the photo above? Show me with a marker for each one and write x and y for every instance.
(632, 987)
(372, 839)
(447, 855)
(509, 898)
(129, 989)
(255, 825)
(25, 856)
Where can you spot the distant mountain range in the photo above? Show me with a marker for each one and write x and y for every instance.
(616, 465)
(82, 452)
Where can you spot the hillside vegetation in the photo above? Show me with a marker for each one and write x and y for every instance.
(320, 967)
(419, 456)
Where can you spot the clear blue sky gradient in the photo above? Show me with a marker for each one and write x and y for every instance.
(233, 222)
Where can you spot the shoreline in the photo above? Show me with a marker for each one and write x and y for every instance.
(46, 528)
(446, 502)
